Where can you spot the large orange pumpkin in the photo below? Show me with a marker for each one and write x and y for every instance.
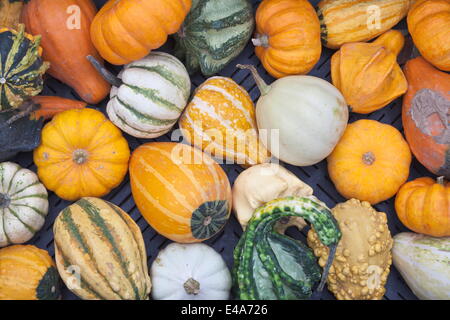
(429, 26)
(424, 206)
(426, 117)
(287, 37)
(181, 192)
(126, 30)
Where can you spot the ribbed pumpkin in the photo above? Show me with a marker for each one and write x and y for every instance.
(221, 121)
(368, 74)
(287, 37)
(107, 249)
(370, 162)
(27, 273)
(21, 67)
(181, 192)
(344, 21)
(23, 204)
(148, 23)
(81, 154)
(425, 115)
(429, 26)
(423, 205)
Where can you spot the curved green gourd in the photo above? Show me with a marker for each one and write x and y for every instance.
(272, 266)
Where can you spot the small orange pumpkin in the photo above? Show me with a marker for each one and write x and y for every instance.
(429, 26)
(370, 162)
(423, 205)
(287, 37)
(82, 154)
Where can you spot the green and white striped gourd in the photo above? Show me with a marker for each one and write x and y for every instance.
(151, 95)
(214, 33)
(23, 204)
(272, 266)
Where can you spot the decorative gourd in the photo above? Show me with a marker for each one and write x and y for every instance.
(221, 120)
(287, 37)
(49, 106)
(214, 33)
(106, 246)
(192, 271)
(10, 11)
(424, 206)
(148, 95)
(429, 26)
(371, 162)
(27, 273)
(313, 118)
(81, 154)
(148, 23)
(425, 115)
(21, 69)
(23, 204)
(423, 263)
(363, 257)
(271, 266)
(278, 182)
(344, 21)
(368, 74)
(66, 43)
(181, 192)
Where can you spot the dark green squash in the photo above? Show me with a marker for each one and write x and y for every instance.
(272, 266)
(214, 33)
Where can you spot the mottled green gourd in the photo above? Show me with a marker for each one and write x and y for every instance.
(214, 33)
(272, 266)
(21, 67)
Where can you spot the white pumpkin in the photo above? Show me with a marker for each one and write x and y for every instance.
(153, 93)
(310, 114)
(23, 204)
(190, 272)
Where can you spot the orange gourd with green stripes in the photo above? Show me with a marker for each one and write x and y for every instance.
(181, 192)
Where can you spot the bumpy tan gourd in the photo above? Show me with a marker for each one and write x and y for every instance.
(363, 258)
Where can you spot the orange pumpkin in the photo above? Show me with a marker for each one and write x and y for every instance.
(181, 192)
(82, 154)
(426, 116)
(423, 206)
(429, 26)
(370, 162)
(287, 37)
(148, 23)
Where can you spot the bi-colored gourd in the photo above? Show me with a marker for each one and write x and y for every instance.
(423, 263)
(148, 23)
(181, 192)
(49, 106)
(368, 74)
(429, 26)
(23, 204)
(363, 257)
(287, 37)
(221, 120)
(425, 115)
(22, 67)
(214, 33)
(148, 95)
(64, 26)
(10, 11)
(27, 273)
(423, 205)
(81, 154)
(344, 21)
(371, 162)
(106, 247)
(300, 118)
(192, 271)
(271, 266)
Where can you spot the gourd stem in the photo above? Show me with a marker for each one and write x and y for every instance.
(4, 201)
(368, 158)
(441, 181)
(80, 156)
(192, 286)
(261, 40)
(108, 76)
(262, 85)
(327, 267)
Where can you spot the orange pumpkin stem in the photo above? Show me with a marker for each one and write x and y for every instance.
(80, 156)
(262, 85)
(441, 181)
(261, 40)
(368, 158)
